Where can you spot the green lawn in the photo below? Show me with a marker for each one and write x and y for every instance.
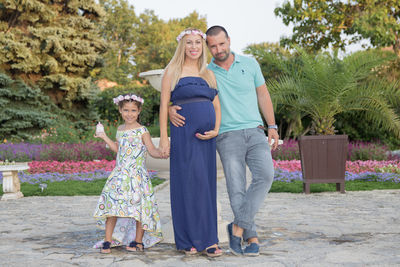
(297, 186)
(75, 188)
(69, 188)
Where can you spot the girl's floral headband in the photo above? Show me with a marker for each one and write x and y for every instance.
(190, 32)
(127, 97)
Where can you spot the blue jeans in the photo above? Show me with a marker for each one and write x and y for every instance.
(236, 149)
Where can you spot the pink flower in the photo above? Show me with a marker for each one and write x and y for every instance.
(183, 33)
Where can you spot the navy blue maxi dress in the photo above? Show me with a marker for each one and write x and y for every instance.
(193, 167)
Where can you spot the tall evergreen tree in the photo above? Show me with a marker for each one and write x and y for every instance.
(24, 110)
(52, 44)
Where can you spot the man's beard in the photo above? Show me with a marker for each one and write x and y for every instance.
(225, 57)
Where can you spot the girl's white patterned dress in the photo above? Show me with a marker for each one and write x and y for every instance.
(128, 193)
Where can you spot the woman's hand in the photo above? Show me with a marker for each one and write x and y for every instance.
(207, 135)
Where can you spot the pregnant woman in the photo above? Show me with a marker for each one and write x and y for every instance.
(188, 84)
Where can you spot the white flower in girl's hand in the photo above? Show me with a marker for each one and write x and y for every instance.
(99, 128)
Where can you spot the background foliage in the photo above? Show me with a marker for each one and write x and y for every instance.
(139, 42)
(24, 110)
(58, 48)
(54, 45)
(109, 111)
(323, 24)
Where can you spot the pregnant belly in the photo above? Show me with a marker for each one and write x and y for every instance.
(199, 116)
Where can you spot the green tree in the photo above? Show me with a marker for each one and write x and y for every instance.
(274, 61)
(321, 24)
(52, 44)
(156, 41)
(326, 86)
(139, 43)
(120, 30)
(272, 58)
(24, 110)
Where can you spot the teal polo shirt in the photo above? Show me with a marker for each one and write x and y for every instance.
(237, 93)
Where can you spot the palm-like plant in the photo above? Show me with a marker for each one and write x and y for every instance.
(325, 86)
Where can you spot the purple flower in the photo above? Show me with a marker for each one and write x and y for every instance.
(57, 177)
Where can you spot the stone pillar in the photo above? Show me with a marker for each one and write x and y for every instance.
(11, 183)
(11, 186)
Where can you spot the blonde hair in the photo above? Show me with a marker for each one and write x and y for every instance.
(174, 67)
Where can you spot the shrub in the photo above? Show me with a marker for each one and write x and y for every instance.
(24, 110)
(58, 152)
(92, 150)
(367, 151)
(109, 111)
(357, 150)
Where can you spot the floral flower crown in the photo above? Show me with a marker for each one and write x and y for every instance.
(183, 33)
(128, 97)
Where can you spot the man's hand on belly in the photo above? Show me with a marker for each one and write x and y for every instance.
(176, 119)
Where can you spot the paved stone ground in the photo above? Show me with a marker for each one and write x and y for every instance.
(321, 229)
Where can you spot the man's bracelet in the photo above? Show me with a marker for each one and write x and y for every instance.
(273, 127)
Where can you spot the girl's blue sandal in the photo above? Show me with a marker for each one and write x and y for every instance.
(106, 248)
(135, 245)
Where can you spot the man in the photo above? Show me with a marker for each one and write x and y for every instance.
(241, 140)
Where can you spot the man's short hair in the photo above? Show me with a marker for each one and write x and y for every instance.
(214, 30)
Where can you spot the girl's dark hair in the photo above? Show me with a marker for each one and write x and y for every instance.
(137, 103)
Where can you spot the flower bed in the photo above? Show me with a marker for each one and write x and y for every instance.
(56, 152)
(54, 171)
(359, 166)
(96, 150)
(285, 170)
(37, 178)
(290, 176)
(370, 170)
(71, 166)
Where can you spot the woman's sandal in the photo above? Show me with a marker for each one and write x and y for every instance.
(213, 252)
(190, 251)
(106, 248)
(135, 245)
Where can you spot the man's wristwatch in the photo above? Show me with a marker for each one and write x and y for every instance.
(273, 127)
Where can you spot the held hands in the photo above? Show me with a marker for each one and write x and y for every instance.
(207, 135)
(273, 134)
(164, 148)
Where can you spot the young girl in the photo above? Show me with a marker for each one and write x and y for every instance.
(127, 206)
